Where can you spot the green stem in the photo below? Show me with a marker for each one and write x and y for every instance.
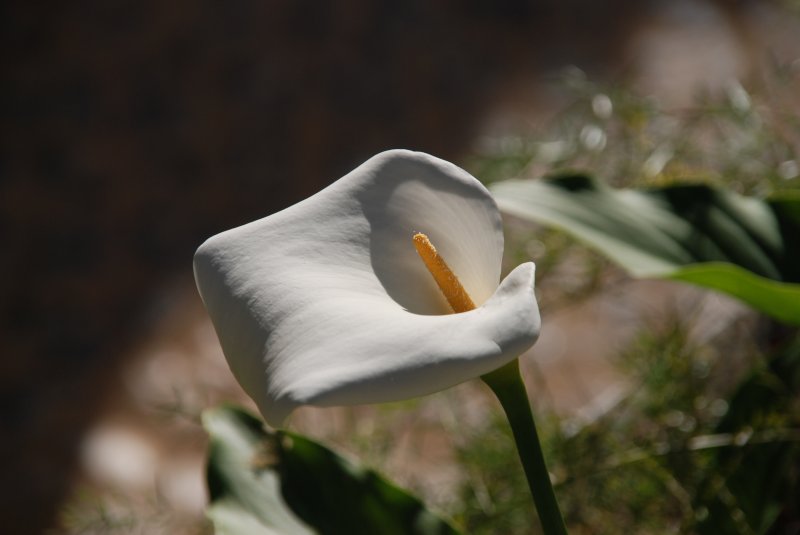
(507, 385)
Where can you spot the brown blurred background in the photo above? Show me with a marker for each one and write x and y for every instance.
(131, 131)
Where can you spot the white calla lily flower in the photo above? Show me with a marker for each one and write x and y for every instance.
(327, 303)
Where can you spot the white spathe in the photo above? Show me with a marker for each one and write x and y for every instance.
(327, 302)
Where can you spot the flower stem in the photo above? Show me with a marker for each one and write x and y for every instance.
(507, 385)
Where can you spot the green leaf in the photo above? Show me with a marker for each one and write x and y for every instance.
(745, 247)
(243, 485)
(778, 299)
(268, 482)
(337, 496)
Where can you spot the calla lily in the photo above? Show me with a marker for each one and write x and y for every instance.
(327, 303)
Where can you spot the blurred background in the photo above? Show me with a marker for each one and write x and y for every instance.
(132, 131)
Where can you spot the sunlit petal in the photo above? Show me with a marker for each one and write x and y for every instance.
(327, 302)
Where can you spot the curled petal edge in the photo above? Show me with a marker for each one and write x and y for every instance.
(299, 329)
(428, 353)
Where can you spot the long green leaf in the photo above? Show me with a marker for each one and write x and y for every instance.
(268, 482)
(778, 299)
(711, 237)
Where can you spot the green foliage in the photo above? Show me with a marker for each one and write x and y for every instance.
(682, 453)
(279, 482)
(494, 498)
(243, 483)
(346, 498)
(695, 233)
(702, 444)
(752, 485)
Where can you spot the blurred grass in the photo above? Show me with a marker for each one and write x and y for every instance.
(646, 465)
(745, 139)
